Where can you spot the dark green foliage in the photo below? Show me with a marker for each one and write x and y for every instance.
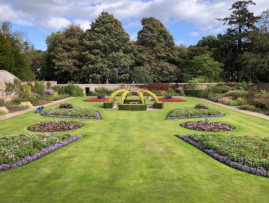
(108, 105)
(133, 107)
(158, 105)
(141, 75)
(157, 53)
(39, 88)
(193, 93)
(102, 90)
(2, 102)
(59, 89)
(106, 53)
(127, 101)
(12, 56)
(236, 94)
(73, 90)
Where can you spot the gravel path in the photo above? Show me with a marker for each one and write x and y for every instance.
(237, 109)
(9, 115)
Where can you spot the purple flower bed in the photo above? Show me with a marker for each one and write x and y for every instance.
(260, 171)
(45, 151)
(169, 117)
(98, 116)
(210, 127)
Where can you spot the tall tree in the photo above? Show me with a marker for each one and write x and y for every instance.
(235, 41)
(106, 54)
(64, 53)
(159, 47)
(12, 57)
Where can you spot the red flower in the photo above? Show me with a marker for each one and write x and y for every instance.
(98, 100)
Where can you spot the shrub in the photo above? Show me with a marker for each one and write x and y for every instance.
(133, 107)
(48, 85)
(236, 94)
(26, 92)
(220, 88)
(242, 101)
(66, 106)
(200, 106)
(108, 105)
(101, 95)
(215, 99)
(26, 104)
(248, 107)
(16, 100)
(39, 88)
(193, 93)
(224, 100)
(35, 101)
(55, 94)
(59, 89)
(168, 97)
(232, 103)
(158, 105)
(163, 93)
(3, 110)
(73, 90)
(2, 102)
(102, 91)
(127, 101)
(156, 92)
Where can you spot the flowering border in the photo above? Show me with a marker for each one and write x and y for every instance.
(169, 117)
(260, 171)
(43, 152)
(98, 100)
(98, 116)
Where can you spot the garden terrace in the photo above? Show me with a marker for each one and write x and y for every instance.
(133, 157)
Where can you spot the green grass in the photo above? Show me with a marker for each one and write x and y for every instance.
(133, 157)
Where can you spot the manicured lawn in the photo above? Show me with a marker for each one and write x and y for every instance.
(133, 157)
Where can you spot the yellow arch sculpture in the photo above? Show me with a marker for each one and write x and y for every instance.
(152, 94)
(123, 96)
(115, 93)
(140, 93)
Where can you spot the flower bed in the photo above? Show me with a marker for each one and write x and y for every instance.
(98, 100)
(170, 100)
(249, 154)
(18, 150)
(76, 112)
(193, 113)
(52, 126)
(210, 127)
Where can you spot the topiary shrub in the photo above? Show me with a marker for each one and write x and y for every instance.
(193, 93)
(158, 105)
(127, 101)
(108, 105)
(133, 107)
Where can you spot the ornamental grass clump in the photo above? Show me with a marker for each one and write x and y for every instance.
(26, 104)
(52, 126)
(207, 125)
(3, 110)
(76, 112)
(193, 113)
(18, 150)
(245, 153)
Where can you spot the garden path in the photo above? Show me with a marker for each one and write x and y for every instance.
(239, 110)
(9, 115)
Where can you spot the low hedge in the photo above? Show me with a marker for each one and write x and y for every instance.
(193, 93)
(127, 101)
(133, 107)
(158, 105)
(108, 105)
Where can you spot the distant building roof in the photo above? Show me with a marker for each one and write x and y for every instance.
(6, 76)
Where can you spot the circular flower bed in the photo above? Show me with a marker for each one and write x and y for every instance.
(52, 126)
(170, 100)
(210, 127)
(98, 100)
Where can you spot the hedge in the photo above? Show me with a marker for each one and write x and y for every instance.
(158, 105)
(194, 93)
(127, 101)
(133, 107)
(108, 105)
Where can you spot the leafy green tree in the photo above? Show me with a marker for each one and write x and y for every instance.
(235, 41)
(159, 52)
(64, 54)
(204, 69)
(106, 54)
(12, 57)
(141, 75)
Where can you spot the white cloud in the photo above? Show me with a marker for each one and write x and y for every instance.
(57, 23)
(84, 24)
(194, 34)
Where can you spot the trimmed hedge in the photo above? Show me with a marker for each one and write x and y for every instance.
(108, 105)
(133, 107)
(158, 105)
(127, 101)
(193, 93)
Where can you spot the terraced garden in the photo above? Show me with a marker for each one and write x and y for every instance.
(133, 157)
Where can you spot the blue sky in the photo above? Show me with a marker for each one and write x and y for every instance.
(187, 20)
